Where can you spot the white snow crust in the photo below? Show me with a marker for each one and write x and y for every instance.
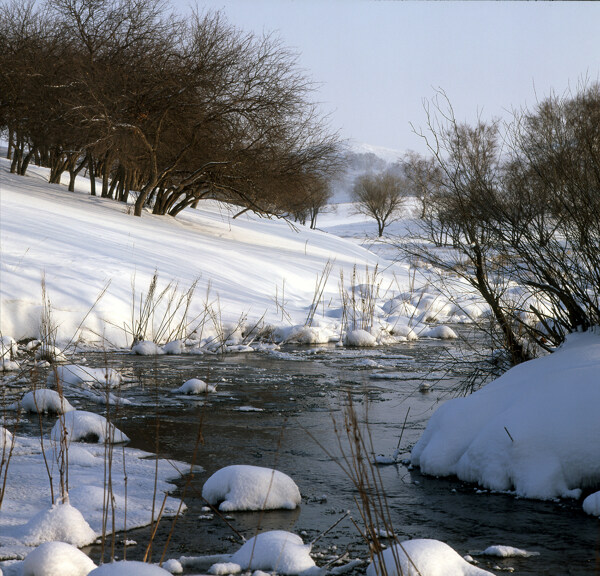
(508, 552)
(529, 431)
(242, 487)
(423, 557)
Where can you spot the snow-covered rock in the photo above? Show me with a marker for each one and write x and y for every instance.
(591, 505)
(128, 568)
(45, 400)
(87, 427)
(173, 566)
(61, 522)
(7, 365)
(275, 551)
(195, 386)
(76, 375)
(56, 559)
(302, 334)
(508, 552)
(441, 331)
(147, 348)
(242, 487)
(422, 557)
(527, 431)
(360, 338)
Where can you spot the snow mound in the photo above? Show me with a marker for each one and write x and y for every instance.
(173, 566)
(222, 568)
(195, 386)
(302, 334)
(527, 431)
(276, 551)
(441, 332)
(76, 375)
(360, 338)
(147, 348)
(7, 365)
(508, 552)
(50, 353)
(242, 487)
(8, 347)
(61, 522)
(5, 437)
(423, 558)
(85, 426)
(591, 505)
(128, 568)
(56, 558)
(45, 400)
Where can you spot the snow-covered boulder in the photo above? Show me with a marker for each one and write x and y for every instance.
(422, 557)
(129, 568)
(591, 505)
(45, 400)
(87, 427)
(195, 386)
(242, 487)
(442, 332)
(360, 338)
(302, 334)
(61, 522)
(56, 558)
(7, 365)
(77, 375)
(147, 348)
(529, 431)
(275, 551)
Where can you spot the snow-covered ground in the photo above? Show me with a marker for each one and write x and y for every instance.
(534, 431)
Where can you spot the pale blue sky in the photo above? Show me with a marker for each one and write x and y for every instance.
(377, 60)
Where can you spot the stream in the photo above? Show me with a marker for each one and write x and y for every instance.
(277, 409)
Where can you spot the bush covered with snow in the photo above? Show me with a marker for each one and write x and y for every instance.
(56, 559)
(241, 487)
(527, 431)
(82, 426)
(422, 557)
(275, 551)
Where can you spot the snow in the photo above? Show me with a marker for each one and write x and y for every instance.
(528, 431)
(128, 568)
(591, 505)
(56, 559)
(61, 522)
(360, 338)
(243, 487)
(76, 375)
(44, 400)
(195, 386)
(508, 552)
(422, 557)
(147, 348)
(277, 550)
(81, 425)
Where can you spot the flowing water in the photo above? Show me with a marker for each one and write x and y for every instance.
(278, 409)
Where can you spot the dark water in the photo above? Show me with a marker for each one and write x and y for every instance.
(300, 393)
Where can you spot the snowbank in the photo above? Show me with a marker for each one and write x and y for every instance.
(241, 487)
(422, 558)
(528, 431)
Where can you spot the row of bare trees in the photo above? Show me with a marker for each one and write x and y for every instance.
(518, 204)
(175, 109)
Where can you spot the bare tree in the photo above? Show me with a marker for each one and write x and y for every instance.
(380, 196)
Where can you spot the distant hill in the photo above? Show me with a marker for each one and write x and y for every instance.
(361, 159)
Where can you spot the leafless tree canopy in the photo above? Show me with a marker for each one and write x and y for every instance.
(380, 196)
(177, 110)
(519, 205)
